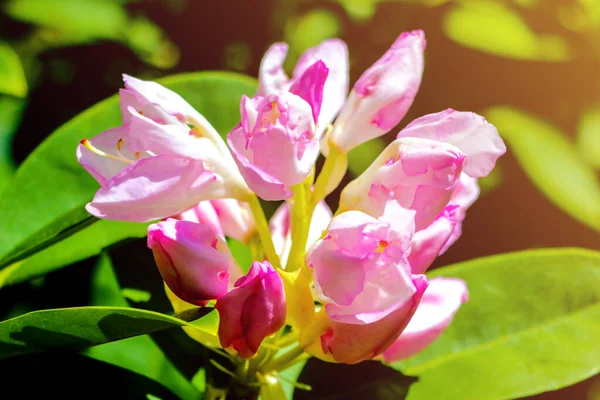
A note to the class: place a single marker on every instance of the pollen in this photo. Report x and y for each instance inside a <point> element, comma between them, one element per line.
<point>382,246</point>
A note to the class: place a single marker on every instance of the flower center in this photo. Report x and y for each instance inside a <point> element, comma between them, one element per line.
<point>119,157</point>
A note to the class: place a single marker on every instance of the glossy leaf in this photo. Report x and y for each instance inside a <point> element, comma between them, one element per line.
<point>495,28</point>
<point>551,162</point>
<point>81,327</point>
<point>138,354</point>
<point>83,244</point>
<point>531,325</point>
<point>12,77</point>
<point>50,189</point>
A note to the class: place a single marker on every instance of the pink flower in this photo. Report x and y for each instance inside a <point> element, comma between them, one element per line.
<point>383,94</point>
<point>471,133</point>
<point>333,53</point>
<point>274,145</point>
<point>253,310</point>
<point>203,213</point>
<point>440,302</point>
<point>419,174</point>
<point>194,262</point>
<point>155,165</point>
<point>360,267</point>
<point>280,225</point>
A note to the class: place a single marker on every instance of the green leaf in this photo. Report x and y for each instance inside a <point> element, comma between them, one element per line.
<point>588,136</point>
<point>85,18</point>
<point>50,189</point>
<point>531,325</point>
<point>12,77</point>
<point>551,162</point>
<point>11,111</point>
<point>84,244</point>
<point>495,28</point>
<point>81,327</point>
<point>139,354</point>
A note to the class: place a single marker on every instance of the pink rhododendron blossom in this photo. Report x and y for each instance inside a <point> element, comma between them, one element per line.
<point>194,262</point>
<point>360,268</point>
<point>439,303</point>
<point>280,225</point>
<point>253,310</point>
<point>383,94</point>
<point>419,174</point>
<point>155,165</point>
<point>274,145</point>
<point>334,55</point>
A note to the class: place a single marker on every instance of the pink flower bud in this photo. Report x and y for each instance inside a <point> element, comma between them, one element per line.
<point>361,270</point>
<point>419,174</point>
<point>471,133</point>
<point>275,146</point>
<point>383,94</point>
<point>193,261</point>
<point>235,218</point>
<point>440,302</point>
<point>203,213</point>
<point>253,310</point>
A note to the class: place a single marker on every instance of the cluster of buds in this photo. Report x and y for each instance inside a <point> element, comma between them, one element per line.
<point>345,287</point>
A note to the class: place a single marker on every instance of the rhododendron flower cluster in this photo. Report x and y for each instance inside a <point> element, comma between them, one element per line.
<point>345,286</point>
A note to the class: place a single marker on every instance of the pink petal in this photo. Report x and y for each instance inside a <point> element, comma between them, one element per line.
<point>266,186</point>
<point>310,86</point>
<point>471,133</point>
<point>441,300</point>
<point>334,53</point>
<point>104,168</point>
<point>154,188</point>
<point>235,218</point>
<point>430,242</point>
<point>271,74</point>
<point>351,344</point>
<point>203,213</point>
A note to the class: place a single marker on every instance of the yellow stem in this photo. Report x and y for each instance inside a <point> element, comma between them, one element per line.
<point>262,227</point>
<point>300,216</point>
<point>320,191</point>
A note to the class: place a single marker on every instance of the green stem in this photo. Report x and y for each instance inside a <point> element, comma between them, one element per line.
<point>300,216</point>
<point>283,361</point>
<point>262,227</point>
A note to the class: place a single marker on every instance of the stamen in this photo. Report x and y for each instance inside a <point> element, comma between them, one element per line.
<point>137,155</point>
<point>86,143</point>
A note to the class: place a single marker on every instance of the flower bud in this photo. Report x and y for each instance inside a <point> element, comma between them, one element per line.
<point>253,310</point>
<point>193,261</point>
<point>275,146</point>
<point>383,94</point>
